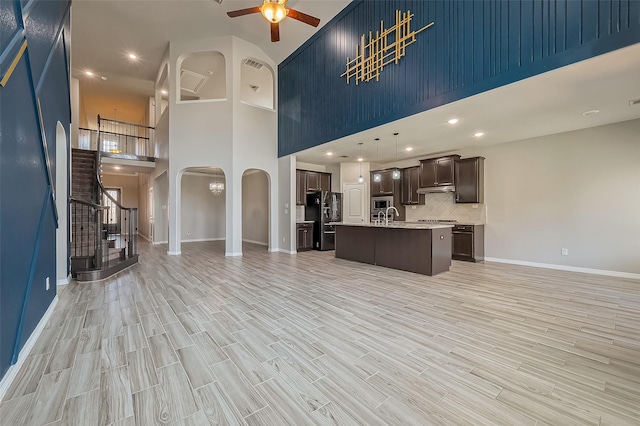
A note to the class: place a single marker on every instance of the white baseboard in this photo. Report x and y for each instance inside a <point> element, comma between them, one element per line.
<point>64,281</point>
<point>231,254</point>
<point>281,250</point>
<point>198,240</point>
<point>260,243</point>
<point>155,243</point>
<point>565,268</point>
<point>174,253</point>
<point>12,372</point>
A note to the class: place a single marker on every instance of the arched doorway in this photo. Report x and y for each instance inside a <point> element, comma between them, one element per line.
<point>255,210</point>
<point>62,185</point>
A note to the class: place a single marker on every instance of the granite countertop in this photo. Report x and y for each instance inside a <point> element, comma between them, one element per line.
<point>398,225</point>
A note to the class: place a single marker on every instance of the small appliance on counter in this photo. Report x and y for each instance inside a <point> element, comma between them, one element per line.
<point>322,208</point>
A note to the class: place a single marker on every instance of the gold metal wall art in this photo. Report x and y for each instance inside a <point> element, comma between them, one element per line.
<point>14,63</point>
<point>387,46</point>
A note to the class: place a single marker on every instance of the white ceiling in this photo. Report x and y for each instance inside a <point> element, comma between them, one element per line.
<point>105,31</point>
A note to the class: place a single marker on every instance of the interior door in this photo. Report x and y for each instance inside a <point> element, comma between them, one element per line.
<point>354,205</point>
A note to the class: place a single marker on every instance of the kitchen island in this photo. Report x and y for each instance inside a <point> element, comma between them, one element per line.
<point>415,247</point>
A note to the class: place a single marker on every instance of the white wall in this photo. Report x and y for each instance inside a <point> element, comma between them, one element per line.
<point>255,208</point>
<point>143,205</point>
<point>161,209</point>
<point>286,203</point>
<point>578,190</point>
<point>62,200</point>
<point>129,188</point>
<point>202,213</point>
<point>75,110</point>
<point>216,134</point>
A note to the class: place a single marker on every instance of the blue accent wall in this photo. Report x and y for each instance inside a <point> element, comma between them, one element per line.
<point>474,46</point>
<point>27,220</point>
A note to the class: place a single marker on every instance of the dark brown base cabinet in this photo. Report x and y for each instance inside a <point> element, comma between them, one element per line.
<point>304,232</point>
<point>423,251</point>
<point>468,243</point>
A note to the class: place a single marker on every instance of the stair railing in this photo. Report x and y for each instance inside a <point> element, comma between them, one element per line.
<point>86,235</point>
<point>119,225</point>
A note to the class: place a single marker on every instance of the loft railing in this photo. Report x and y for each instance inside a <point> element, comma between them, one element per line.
<point>118,138</point>
<point>87,139</point>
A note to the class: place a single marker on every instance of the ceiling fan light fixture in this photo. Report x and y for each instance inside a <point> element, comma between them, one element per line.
<point>273,10</point>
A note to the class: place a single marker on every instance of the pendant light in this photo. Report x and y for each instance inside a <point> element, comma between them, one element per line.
<point>377,177</point>
<point>396,172</point>
<point>360,159</point>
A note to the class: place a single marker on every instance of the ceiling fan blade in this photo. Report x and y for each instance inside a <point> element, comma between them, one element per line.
<point>242,12</point>
<point>275,32</point>
<point>303,17</point>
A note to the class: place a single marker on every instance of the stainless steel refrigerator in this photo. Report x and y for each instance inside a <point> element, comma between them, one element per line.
<point>322,208</point>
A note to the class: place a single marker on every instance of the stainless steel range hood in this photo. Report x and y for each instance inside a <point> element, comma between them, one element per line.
<point>436,189</point>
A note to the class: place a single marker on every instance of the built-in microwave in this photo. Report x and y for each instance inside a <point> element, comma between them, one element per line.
<point>380,204</point>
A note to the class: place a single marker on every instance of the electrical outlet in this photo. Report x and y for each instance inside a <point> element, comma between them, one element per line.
<point>46,283</point>
<point>565,252</point>
<point>475,206</point>
<point>413,207</point>
<point>283,239</point>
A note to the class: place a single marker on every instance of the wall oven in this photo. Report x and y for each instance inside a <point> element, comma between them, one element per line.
<point>380,204</point>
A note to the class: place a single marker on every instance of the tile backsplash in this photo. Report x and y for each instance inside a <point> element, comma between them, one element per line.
<point>443,206</point>
<point>299,213</point>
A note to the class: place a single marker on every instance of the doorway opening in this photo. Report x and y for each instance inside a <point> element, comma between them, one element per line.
<point>255,209</point>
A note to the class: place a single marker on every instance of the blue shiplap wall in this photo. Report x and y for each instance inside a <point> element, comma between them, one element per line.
<point>27,217</point>
<point>475,46</point>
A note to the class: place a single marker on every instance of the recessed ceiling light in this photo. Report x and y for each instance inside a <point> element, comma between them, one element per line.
<point>164,92</point>
<point>103,78</point>
<point>360,159</point>
<point>408,149</point>
<point>592,112</point>
<point>453,121</point>
<point>478,134</point>
<point>132,56</point>
<point>329,153</point>
<point>116,167</point>
<point>88,73</point>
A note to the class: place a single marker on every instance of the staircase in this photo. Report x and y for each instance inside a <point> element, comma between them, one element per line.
<point>83,175</point>
<point>96,250</point>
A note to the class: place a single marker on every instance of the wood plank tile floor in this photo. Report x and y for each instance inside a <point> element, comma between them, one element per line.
<point>275,339</point>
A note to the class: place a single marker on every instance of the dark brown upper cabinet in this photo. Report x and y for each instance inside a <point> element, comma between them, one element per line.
<point>410,185</point>
<point>301,187</point>
<point>325,181</point>
<point>308,181</point>
<point>313,181</point>
<point>386,186</point>
<point>437,171</point>
<point>469,178</point>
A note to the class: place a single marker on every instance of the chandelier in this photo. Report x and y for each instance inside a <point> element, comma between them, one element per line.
<point>216,188</point>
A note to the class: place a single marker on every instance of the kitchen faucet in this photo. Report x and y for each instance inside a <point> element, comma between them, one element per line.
<point>386,215</point>
<point>378,221</point>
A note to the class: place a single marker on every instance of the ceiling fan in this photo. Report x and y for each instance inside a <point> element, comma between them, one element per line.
<point>275,11</point>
